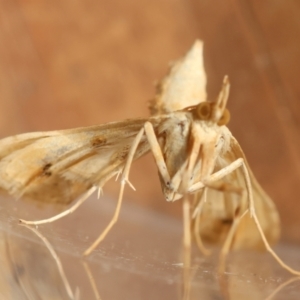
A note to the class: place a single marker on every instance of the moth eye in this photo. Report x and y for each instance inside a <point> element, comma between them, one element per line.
<point>225,118</point>
<point>204,111</point>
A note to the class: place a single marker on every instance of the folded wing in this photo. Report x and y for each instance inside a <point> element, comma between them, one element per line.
<point>58,166</point>
<point>221,208</point>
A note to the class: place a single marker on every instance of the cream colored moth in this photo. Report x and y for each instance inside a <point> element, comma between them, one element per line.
<point>194,151</point>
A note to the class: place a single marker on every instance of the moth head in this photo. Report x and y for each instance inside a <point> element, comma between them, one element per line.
<point>215,112</point>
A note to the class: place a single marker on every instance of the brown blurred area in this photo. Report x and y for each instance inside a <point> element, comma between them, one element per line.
<point>67,64</point>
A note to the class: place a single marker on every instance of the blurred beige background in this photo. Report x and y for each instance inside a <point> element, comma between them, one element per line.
<point>74,63</point>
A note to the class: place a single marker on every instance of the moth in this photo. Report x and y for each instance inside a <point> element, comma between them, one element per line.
<point>194,151</point>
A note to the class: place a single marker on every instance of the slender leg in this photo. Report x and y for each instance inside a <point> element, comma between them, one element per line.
<point>124,180</point>
<point>193,155</point>
<point>270,250</point>
<point>217,175</point>
<point>199,197</point>
<point>197,215</point>
<point>227,170</point>
<point>254,216</point>
<point>156,151</point>
<point>83,198</point>
<point>186,248</point>
<point>173,183</point>
<point>224,172</point>
<point>198,210</point>
<point>229,239</point>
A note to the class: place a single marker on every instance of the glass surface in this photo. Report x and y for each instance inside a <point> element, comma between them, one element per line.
<point>139,259</point>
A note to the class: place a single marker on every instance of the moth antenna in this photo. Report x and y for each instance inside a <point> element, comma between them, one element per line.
<point>221,102</point>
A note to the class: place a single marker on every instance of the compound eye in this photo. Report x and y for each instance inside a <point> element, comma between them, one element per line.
<point>204,111</point>
<point>225,118</point>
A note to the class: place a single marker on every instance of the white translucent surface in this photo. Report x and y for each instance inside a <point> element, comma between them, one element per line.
<point>140,259</point>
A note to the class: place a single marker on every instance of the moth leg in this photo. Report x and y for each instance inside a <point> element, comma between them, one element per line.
<point>238,216</point>
<point>254,216</point>
<point>271,251</point>
<point>227,170</point>
<point>217,175</point>
<point>173,183</point>
<point>229,239</point>
<point>197,216</point>
<point>193,156</point>
<point>70,210</point>
<point>210,180</point>
<point>198,209</point>
<point>124,180</point>
<point>157,153</point>
<point>187,241</point>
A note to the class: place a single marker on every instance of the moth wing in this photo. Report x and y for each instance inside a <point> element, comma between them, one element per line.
<point>58,166</point>
<point>219,211</point>
<point>184,86</point>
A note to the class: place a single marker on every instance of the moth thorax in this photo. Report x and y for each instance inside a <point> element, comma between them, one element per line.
<point>210,111</point>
